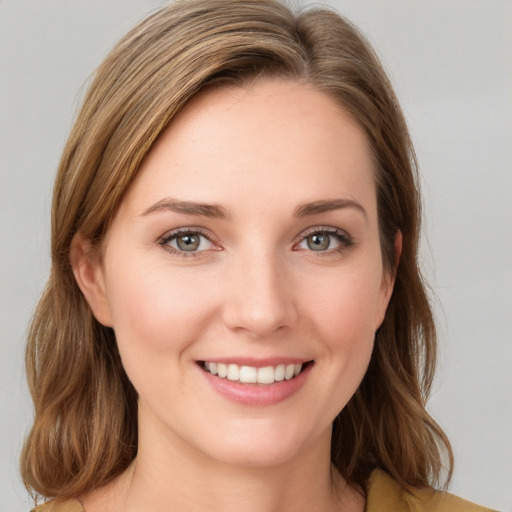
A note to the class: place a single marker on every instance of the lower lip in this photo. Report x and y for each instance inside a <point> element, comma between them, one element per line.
<point>257,395</point>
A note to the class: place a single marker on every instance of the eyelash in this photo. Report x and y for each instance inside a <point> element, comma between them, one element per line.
<point>345,240</point>
<point>168,237</point>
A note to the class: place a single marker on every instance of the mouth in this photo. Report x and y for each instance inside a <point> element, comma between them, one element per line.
<point>243,374</point>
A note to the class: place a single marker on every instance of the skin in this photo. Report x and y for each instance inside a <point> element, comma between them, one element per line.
<point>257,288</point>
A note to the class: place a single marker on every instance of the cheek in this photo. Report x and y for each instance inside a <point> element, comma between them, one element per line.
<point>341,313</point>
<point>156,311</point>
<point>347,305</point>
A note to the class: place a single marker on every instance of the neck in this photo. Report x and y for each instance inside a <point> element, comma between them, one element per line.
<point>172,476</point>
<point>176,479</point>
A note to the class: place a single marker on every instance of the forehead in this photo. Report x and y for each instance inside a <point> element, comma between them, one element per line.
<point>270,141</point>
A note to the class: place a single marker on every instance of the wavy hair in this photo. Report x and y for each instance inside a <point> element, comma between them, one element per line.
<point>85,426</point>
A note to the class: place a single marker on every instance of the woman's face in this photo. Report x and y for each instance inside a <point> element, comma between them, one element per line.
<point>247,244</point>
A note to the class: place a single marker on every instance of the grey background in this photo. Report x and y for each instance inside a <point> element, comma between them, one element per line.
<point>451,64</point>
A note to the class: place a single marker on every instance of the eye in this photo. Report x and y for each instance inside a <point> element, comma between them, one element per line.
<point>326,240</point>
<point>186,242</point>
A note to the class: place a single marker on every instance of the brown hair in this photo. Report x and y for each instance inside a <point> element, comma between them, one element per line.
<point>85,426</point>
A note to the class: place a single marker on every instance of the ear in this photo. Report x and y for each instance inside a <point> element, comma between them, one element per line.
<point>388,281</point>
<point>89,275</point>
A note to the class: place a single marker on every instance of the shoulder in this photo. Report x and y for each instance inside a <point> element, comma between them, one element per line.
<point>385,495</point>
<point>60,506</point>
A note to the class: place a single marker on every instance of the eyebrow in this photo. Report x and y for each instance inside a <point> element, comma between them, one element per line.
<point>190,208</point>
<point>327,206</point>
<point>218,211</point>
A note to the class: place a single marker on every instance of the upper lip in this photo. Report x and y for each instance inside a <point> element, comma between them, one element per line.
<point>257,362</point>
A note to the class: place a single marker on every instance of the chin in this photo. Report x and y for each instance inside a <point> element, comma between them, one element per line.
<point>261,447</point>
<point>256,456</point>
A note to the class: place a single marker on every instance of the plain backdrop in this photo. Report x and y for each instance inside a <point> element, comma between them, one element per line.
<point>451,63</point>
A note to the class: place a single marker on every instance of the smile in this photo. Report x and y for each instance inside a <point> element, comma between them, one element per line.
<point>256,383</point>
<point>252,374</point>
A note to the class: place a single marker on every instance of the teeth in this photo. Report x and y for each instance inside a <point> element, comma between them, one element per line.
<point>233,372</point>
<point>266,375</point>
<point>248,374</point>
<point>279,372</point>
<point>222,370</point>
<point>253,375</point>
<point>289,372</point>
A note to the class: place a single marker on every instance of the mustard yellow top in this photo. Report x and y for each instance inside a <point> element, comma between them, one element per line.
<point>383,495</point>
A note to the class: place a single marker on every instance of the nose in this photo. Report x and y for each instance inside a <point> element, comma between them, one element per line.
<point>259,299</point>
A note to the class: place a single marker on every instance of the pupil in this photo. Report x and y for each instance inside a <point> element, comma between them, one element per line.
<point>319,242</point>
<point>188,242</point>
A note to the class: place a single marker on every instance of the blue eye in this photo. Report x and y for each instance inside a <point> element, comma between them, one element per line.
<point>186,242</point>
<point>319,241</point>
<point>326,240</point>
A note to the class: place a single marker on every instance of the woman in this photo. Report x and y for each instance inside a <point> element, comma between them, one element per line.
<point>235,318</point>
